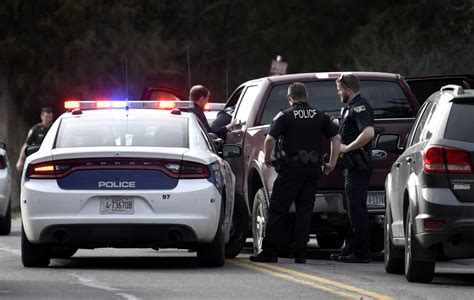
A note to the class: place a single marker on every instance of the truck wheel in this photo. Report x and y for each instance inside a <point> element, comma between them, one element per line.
<point>376,239</point>
<point>213,254</point>
<point>6,222</point>
<point>259,219</point>
<point>393,256</point>
<point>238,230</point>
<point>33,255</point>
<point>415,271</point>
<point>62,252</point>
<point>329,240</point>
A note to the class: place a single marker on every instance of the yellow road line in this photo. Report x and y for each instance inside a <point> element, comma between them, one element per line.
<point>322,280</point>
<point>300,281</point>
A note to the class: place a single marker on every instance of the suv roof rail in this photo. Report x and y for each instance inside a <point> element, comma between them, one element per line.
<point>458,90</point>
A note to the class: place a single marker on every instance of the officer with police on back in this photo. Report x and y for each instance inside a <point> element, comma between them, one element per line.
<point>357,132</point>
<point>297,133</point>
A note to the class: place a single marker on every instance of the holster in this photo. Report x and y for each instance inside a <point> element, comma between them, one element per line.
<point>345,161</point>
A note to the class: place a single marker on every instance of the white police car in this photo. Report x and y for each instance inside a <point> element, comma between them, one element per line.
<point>5,184</point>
<point>126,175</point>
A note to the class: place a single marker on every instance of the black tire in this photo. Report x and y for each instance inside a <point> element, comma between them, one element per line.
<point>329,240</point>
<point>33,255</point>
<point>62,252</point>
<point>376,239</point>
<point>6,222</point>
<point>259,219</point>
<point>415,271</point>
<point>213,254</point>
<point>238,230</point>
<point>393,256</point>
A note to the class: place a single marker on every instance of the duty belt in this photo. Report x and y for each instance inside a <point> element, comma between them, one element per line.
<point>304,157</point>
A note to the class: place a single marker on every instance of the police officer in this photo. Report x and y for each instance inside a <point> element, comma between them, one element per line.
<point>299,130</point>
<point>200,96</point>
<point>357,132</point>
<point>36,134</point>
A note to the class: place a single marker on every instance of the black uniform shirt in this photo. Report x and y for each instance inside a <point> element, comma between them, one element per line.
<point>36,134</point>
<point>302,128</point>
<point>356,116</point>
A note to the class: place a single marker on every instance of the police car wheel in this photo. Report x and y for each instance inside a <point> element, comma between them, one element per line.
<point>33,255</point>
<point>259,219</point>
<point>6,222</point>
<point>213,254</point>
<point>393,256</point>
<point>238,231</point>
<point>62,252</point>
<point>415,271</point>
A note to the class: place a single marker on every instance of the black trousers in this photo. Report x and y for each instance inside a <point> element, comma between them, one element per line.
<point>356,184</point>
<point>296,183</point>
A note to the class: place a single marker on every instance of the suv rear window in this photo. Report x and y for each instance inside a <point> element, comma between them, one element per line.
<point>386,98</point>
<point>459,126</point>
<point>94,131</point>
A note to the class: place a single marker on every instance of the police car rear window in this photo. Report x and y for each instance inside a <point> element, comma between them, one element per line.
<point>386,98</point>
<point>459,126</point>
<point>94,131</point>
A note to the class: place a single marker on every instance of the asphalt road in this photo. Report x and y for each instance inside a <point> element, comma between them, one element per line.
<point>164,274</point>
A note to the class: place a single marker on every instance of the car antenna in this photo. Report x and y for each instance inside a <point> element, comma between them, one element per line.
<point>126,83</point>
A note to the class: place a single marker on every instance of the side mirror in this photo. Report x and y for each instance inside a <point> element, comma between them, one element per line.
<point>2,145</point>
<point>218,142</point>
<point>388,142</point>
<point>31,149</point>
<point>229,151</point>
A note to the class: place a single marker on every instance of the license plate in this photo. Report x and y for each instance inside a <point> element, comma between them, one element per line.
<point>116,206</point>
<point>376,199</point>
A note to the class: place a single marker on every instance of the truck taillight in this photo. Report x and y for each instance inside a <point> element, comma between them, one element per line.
<point>3,165</point>
<point>439,159</point>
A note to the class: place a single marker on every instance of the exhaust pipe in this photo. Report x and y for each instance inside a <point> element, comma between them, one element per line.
<point>60,235</point>
<point>175,235</point>
<point>456,240</point>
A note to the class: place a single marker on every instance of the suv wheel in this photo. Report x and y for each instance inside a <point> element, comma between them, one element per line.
<point>415,271</point>
<point>33,255</point>
<point>6,222</point>
<point>238,230</point>
<point>393,256</point>
<point>259,219</point>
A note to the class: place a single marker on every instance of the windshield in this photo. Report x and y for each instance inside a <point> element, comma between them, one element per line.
<point>94,131</point>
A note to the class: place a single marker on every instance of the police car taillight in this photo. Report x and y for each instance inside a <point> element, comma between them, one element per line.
<point>41,171</point>
<point>188,170</point>
<point>134,104</point>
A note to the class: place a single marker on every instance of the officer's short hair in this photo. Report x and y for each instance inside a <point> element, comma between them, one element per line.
<point>350,81</point>
<point>47,110</point>
<point>298,91</point>
<point>197,92</point>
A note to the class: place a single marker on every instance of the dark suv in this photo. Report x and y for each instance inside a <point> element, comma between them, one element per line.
<point>430,188</point>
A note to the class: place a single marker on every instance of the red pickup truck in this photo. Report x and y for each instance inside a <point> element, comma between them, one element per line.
<point>257,101</point>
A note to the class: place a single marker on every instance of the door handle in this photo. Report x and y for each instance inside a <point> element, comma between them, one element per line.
<point>409,160</point>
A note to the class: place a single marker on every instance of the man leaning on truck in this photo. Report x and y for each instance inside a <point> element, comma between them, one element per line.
<point>297,159</point>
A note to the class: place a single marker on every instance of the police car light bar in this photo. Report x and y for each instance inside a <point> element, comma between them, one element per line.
<point>214,106</point>
<point>135,104</point>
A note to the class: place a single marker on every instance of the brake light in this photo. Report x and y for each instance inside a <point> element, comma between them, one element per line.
<point>439,159</point>
<point>190,170</point>
<point>433,224</point>
<point>41,171</point>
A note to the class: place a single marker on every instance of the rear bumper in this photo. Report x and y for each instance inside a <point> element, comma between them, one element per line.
<point>455,239</point>
<point>193,207</point>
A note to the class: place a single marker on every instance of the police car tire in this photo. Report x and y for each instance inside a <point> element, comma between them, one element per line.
<point>33,255</point>
<point>393,256</point>
<point>6,222</point>
<point>61,252</point>
<point>213,254</point>
<point>238,234</point>
<point>415,271</point>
